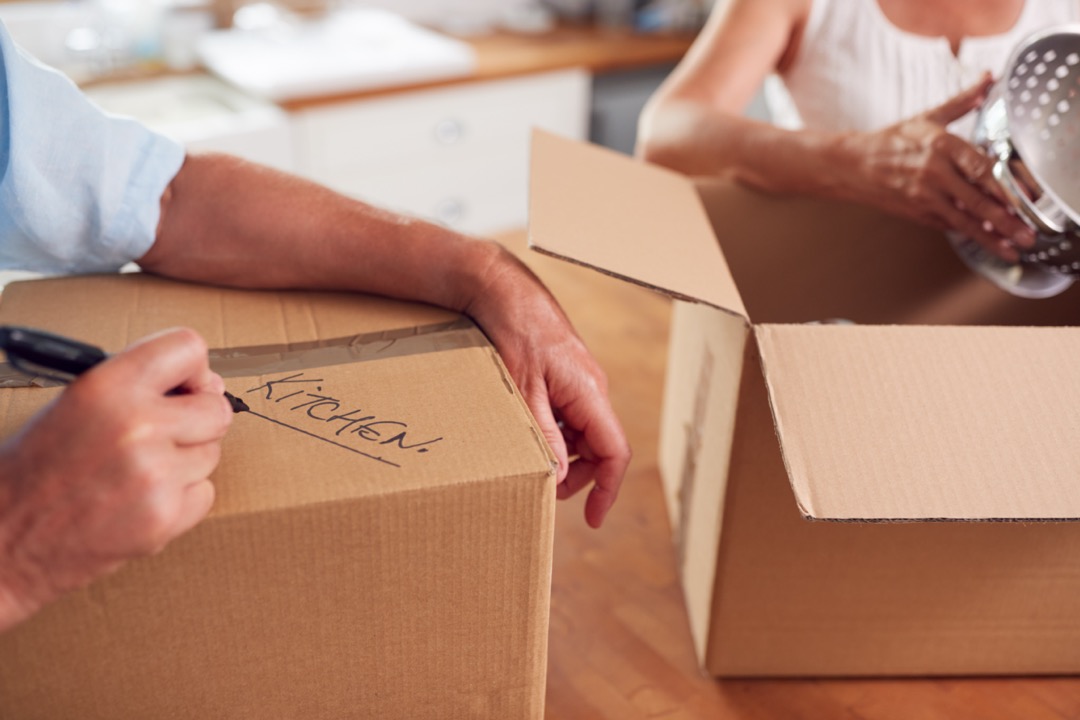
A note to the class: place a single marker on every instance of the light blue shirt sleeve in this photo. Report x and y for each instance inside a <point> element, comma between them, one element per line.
<point>80,190</point>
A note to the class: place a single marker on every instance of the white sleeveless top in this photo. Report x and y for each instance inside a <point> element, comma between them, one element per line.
<point>855,70</point>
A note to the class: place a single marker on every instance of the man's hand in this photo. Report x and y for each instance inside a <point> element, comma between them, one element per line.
<point>112,470</point>
<point>229,222</point>
<point>918,170</point>
<point>561,382</point>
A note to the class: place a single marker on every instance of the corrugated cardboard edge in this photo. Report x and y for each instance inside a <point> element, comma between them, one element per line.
<point>612,194</point>
<point>549,527</point>
<point>511,386</point>
<point>800,477</point>
<point>696,442</point>
<point>806,507</point>
<point>674,295</point>
<point>751,375</point>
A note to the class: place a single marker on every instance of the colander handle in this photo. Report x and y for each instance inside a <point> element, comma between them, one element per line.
<point>1019,199</point>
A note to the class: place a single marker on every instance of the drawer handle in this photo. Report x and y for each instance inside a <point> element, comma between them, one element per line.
<point>449,131</point>
<point>450,211</point>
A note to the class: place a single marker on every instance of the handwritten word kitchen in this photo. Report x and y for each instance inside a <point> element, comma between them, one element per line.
<point>304,399</point>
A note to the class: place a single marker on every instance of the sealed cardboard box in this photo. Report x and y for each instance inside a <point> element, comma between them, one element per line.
<point>893,497</point>
<point>381,541</point>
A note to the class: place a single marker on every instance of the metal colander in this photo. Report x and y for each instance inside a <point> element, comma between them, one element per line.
<point>1030,124</point>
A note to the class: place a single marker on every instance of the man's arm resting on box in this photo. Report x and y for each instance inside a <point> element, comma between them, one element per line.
<point>229,222</point>
<point>112,470</point>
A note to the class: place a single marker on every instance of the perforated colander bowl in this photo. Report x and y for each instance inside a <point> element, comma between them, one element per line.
<point>1030,125</point>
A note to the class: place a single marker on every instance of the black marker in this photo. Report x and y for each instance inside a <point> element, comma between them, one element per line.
<point>39,353</point>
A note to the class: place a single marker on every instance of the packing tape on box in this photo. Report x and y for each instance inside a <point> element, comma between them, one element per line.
<point>257,360</point>
<point>456,334</point>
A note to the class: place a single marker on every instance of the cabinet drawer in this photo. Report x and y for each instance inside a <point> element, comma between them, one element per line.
<point>484,195</point>
<point>432,125</point>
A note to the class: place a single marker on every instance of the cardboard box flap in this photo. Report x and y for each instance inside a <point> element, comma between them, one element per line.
<point>366,396</point>
<point>641,223</point>
<point>927,423</point>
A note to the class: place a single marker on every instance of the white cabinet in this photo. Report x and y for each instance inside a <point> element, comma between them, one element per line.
<point>457,155</point>
<point>204,114</point>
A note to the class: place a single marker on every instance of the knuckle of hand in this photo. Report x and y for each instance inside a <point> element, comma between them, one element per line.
<point>225,416</point>
<point>1000,219</point>
<point>157,527</point>
<point>190,339</point>
<point>937,174</point>
<point>153,543</point>
<point>133,433</point>
<point>918,192</point>
<point>190,345</point>
<point>982,168</point>
<point>982,207</point>
<point>143,476</point>
<point>601,379</point>
<point>976,230</point>
<point>213,418</point>
<point>213,455</point>
<point>936,222</point>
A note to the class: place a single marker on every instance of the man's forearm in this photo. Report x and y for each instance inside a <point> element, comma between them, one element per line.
<point>230,222</point>
<point>233,223</point>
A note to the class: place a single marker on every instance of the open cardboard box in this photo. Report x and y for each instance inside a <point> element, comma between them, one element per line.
<point>381,542</point>
<point>896,497</point>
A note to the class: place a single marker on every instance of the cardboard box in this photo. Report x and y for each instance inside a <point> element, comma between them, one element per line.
<point>380,546</point>
<point>888,498</point>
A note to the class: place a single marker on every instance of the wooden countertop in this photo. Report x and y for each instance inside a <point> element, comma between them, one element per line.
<point>501,54</point>
<point>504,54</point>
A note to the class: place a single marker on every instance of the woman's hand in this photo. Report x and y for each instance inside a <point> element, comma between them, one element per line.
<point>918,170</point>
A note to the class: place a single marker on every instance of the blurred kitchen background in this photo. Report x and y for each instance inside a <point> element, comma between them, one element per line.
<point>424,106</point>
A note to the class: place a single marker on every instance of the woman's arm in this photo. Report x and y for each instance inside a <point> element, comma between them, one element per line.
<point>913,169</point>
<point>694,122</point>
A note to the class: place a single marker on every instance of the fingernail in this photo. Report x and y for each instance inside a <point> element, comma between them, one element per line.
<point>1007,252</point>
<point>1025,238</point>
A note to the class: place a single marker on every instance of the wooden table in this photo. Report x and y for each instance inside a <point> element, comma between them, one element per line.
<point>620,643</point>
